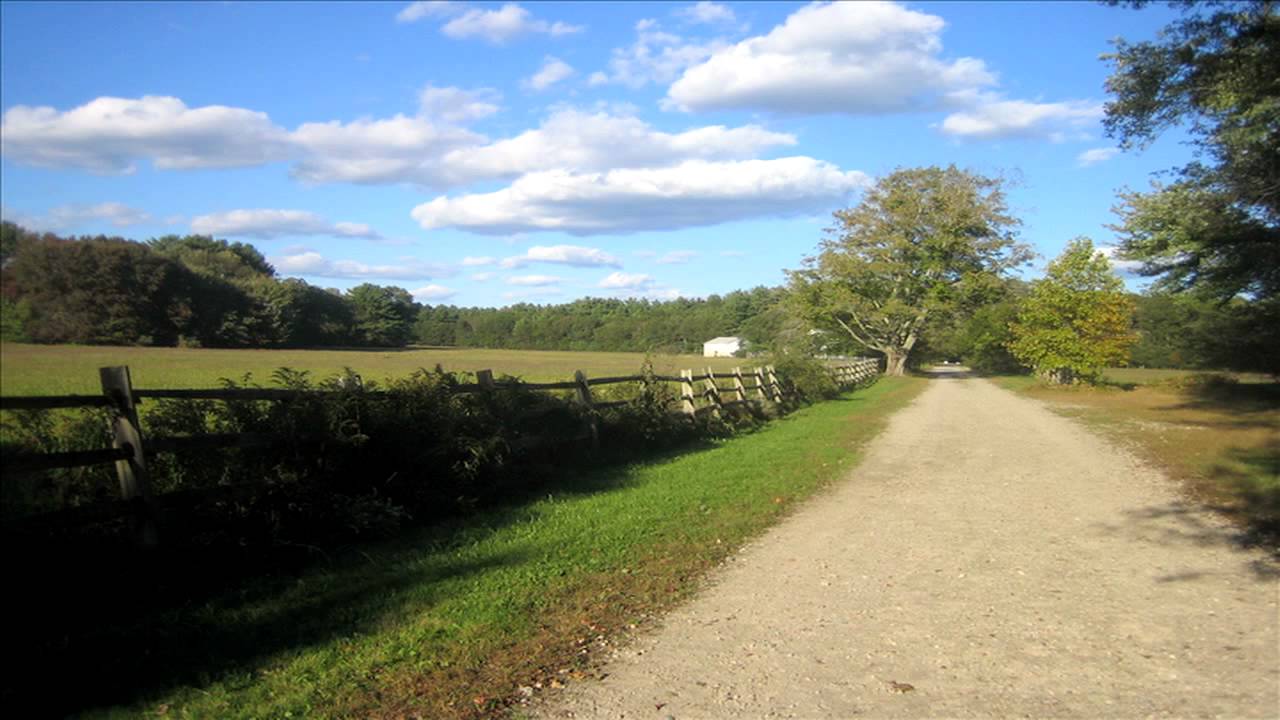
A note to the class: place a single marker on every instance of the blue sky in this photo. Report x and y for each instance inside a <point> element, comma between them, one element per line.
<point>485,154</point>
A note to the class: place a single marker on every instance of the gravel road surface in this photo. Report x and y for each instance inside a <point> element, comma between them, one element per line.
<point>988,558</point>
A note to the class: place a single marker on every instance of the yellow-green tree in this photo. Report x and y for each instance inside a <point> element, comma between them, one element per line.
<point>1077,320</point>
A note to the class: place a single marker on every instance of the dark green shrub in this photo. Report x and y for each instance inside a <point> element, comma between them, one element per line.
<point>806,377</point>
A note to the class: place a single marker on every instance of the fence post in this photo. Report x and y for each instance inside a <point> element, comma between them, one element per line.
<point>713,393</point>
<point>686,393</point>
<point>738,388</point>
<point>126,433</point>
<point>759,373</point>
<point>582,393</point>
<point>774,386</point>
<point>484,378</point>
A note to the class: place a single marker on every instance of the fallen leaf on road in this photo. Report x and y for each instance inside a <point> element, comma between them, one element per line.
<point>896,686</point>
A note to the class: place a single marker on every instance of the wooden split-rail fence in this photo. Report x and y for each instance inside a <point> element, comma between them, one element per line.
<point>702,391</point>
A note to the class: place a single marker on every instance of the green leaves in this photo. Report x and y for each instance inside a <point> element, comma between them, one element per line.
<point>1076,320</point>
<point>1217,71</point>
<point>1192,237</point>
<point>922,241</point>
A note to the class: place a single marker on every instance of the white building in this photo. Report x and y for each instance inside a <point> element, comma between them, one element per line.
<point>723,346</point>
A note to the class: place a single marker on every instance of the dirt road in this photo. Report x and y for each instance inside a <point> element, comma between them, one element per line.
<point>987,559</point>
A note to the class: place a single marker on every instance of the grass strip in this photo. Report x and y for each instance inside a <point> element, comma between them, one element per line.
<point>453,622</point>
<point>1221,440</point>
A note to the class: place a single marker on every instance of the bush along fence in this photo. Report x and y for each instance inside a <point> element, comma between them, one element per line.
<point>305,460</point>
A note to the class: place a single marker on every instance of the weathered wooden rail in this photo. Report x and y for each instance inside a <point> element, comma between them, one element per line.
<point>700,392</point>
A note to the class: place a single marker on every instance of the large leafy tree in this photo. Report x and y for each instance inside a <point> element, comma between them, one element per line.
<point>1077,319</point>
<point>215,258</point>
<point>100,290</point>
<point>383,315</point>
<point>922,242</point>
<point>1215,71</point>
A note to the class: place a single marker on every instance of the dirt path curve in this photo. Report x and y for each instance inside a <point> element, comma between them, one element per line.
<point>998,559</point>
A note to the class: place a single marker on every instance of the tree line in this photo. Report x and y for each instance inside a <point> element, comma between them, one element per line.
<point>198,291</point>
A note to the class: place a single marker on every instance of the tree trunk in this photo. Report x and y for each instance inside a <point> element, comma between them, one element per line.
<point>1060,376</point>
<point>895,363</point>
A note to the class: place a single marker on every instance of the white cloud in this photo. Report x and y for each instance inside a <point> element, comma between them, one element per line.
<point>396,149</point>
<point>68,217</point>
<point>572,139</point>
<point>636,285</point>
<point>1094,156</point>
<point>677,257</point>
<point>505,23</point>
<point>656,56</point>
<point>483,277</point>
<point>477,261</point>
<point>708,13</point>
<point>269,223</point>
<point>432,292</point>
<point>416,11</point>
<point>118,214</point>
<point>109,135</point>
<point>626,281</point>
<point>1125,266</point>
<point>533,280</point>
<point>573,255</point>
<point>844,57</point>
<point>691,194</point>
<point>993,118</point>
<point>663,294</point>
<point>553,71</point>
<point>533,292</point>
<point>309,262</point>
<point>455,105</point>
<point>428,149</point>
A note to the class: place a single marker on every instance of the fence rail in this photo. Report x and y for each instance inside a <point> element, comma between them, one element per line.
<point>129,451</point>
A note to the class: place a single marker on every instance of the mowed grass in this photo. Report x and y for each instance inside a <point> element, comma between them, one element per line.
<point>1222,440</point>
<point>73,369</point>
<point>452,622</point>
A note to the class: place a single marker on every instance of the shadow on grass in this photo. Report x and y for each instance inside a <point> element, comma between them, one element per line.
<point>1232,397</point>
<point>120,662</point>
<point>108,626</point>
<point>1253,476</point>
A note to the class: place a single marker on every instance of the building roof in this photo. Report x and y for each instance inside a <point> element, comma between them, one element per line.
<point>723,340</point>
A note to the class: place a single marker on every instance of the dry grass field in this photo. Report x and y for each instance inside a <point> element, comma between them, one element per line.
<point>73,369</point>
<point>1221,438</point>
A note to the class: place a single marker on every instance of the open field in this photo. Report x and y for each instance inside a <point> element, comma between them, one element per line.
<point>73,369</point>
<point>1149,376</point>
<point>1222,439</point>
<point>451,621</point>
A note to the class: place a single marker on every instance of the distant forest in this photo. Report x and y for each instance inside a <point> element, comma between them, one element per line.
<point>196,291</point>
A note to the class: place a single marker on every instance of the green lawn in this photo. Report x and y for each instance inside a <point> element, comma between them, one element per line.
<point>73,369</point>
<point>450,622</point>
